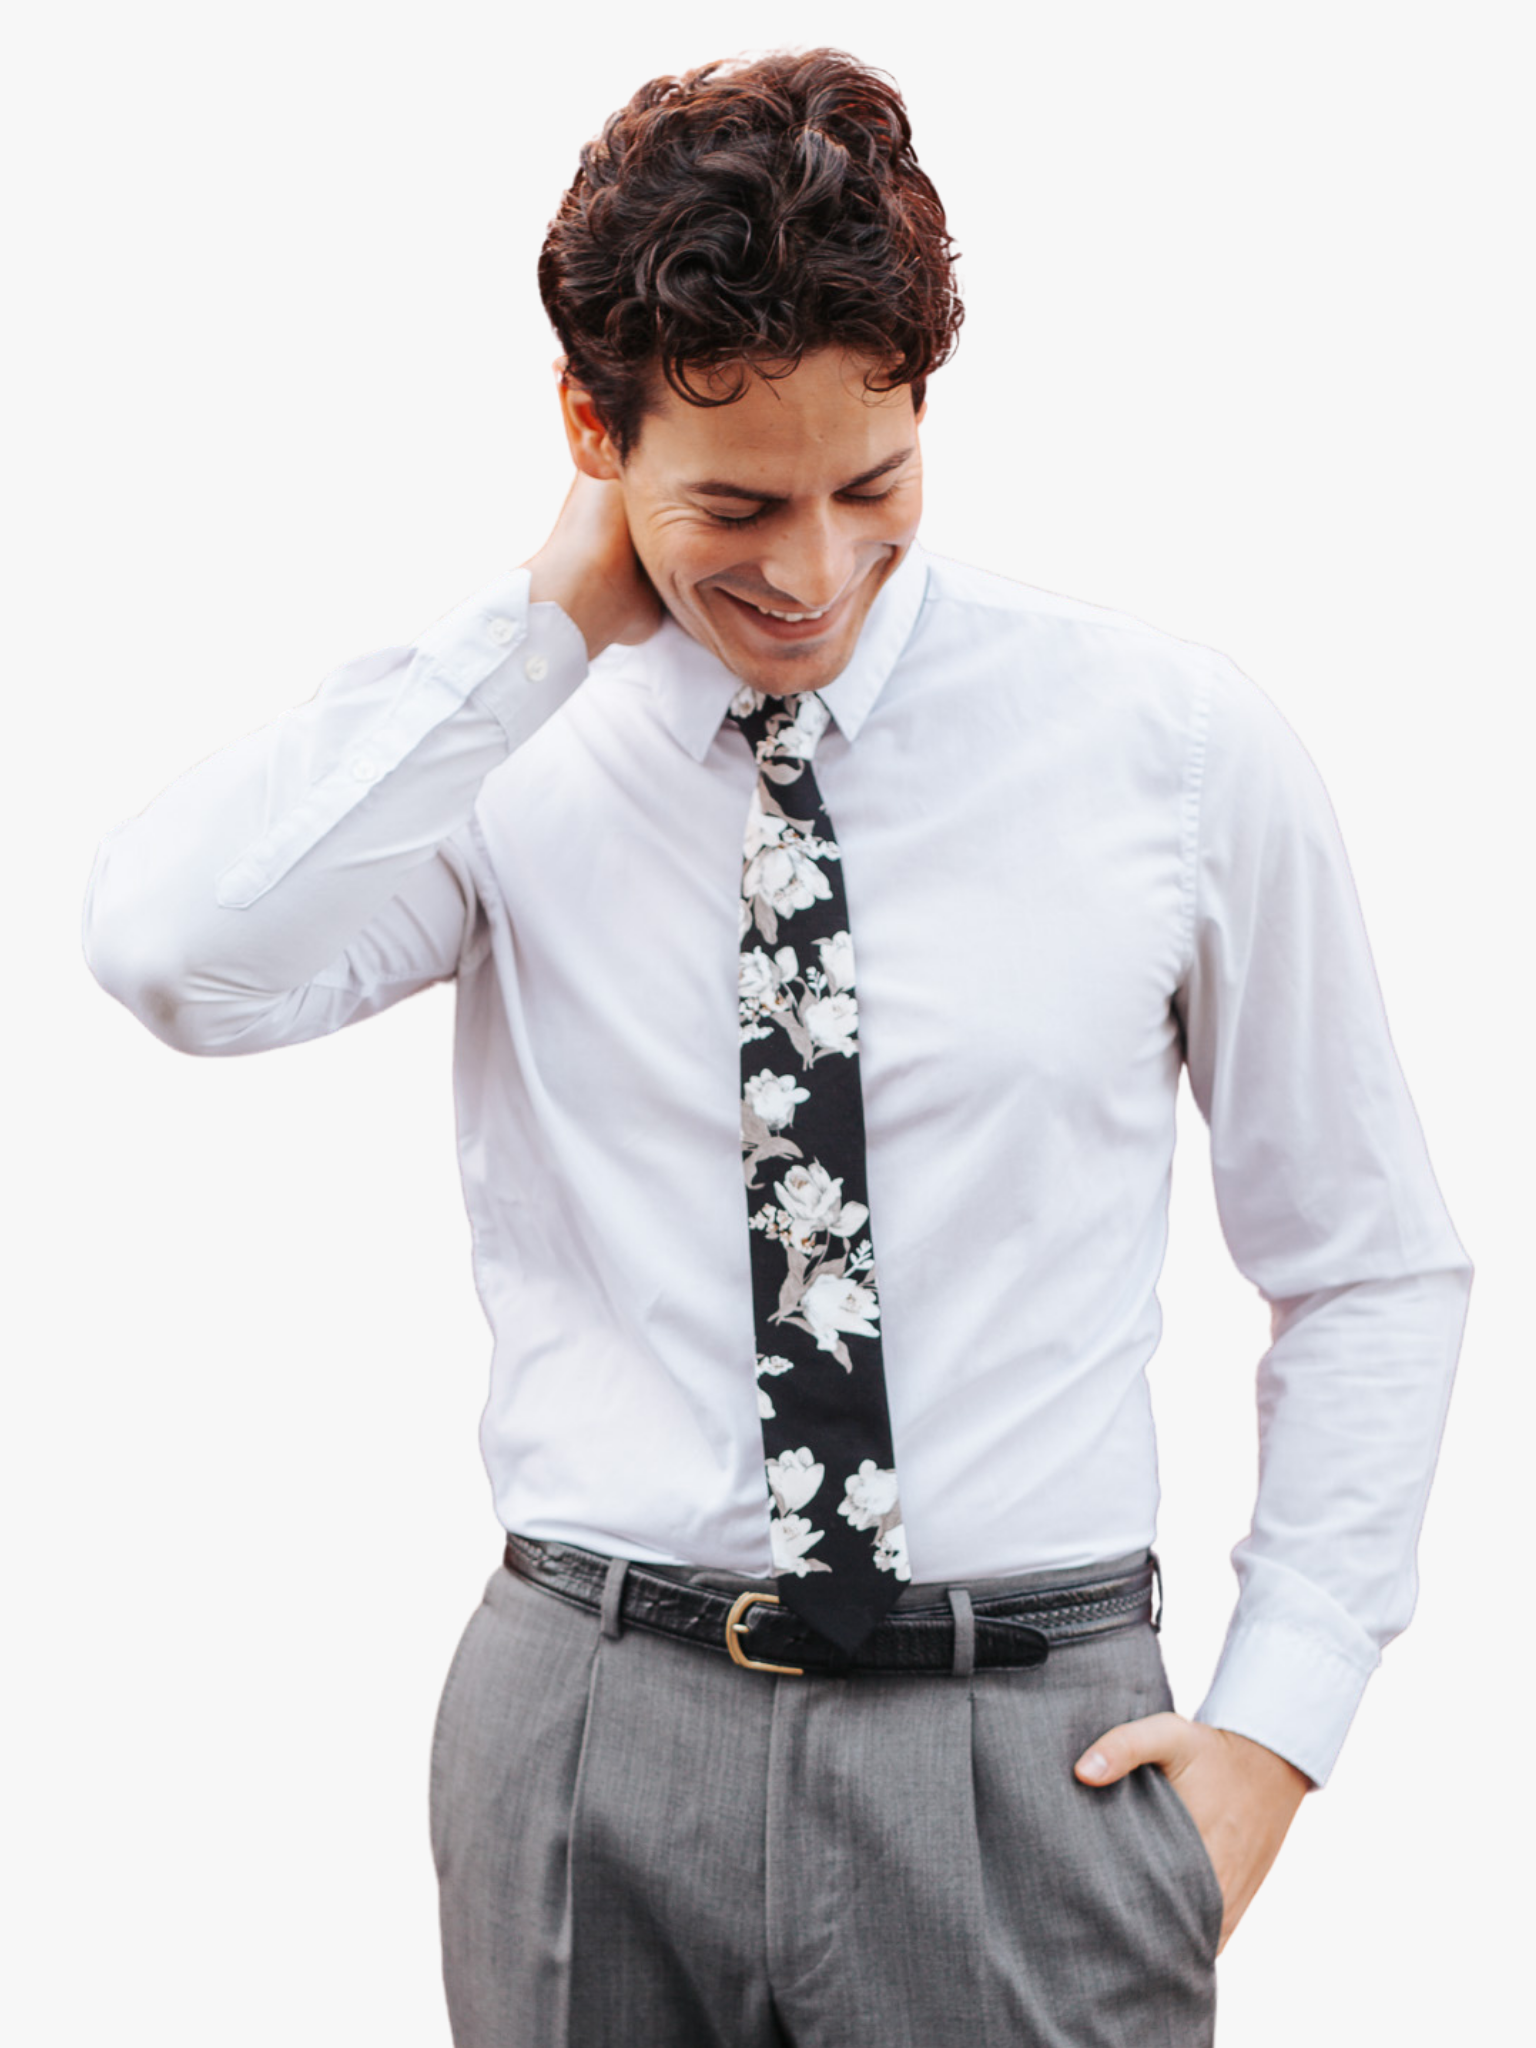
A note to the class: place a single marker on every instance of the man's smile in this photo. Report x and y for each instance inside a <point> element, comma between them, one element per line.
<point>786,624</point>
<point>793,617</point>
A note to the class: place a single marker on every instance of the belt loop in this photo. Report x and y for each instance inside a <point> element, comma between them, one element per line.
<point>1157,1574</point>
<point>965,1631</point>
<point>613,1597</point>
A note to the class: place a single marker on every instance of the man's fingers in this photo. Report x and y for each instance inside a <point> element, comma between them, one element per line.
<point>1164,1739</point>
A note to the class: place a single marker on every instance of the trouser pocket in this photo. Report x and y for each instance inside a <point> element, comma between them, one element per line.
<point>1192,1860</point>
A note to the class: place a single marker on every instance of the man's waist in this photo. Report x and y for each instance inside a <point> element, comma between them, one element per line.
<point>1005,1622</point>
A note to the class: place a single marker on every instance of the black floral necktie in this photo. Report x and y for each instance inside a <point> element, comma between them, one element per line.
<point>839,1548</point>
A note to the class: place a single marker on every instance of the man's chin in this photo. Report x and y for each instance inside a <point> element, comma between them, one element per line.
<point>788,678</point>
<point>788,671</point>
<point>781,672</point>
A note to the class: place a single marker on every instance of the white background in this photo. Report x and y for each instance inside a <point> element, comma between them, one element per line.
<point>1248,354</point>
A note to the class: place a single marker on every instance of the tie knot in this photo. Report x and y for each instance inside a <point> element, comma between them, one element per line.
<point>779,728</point>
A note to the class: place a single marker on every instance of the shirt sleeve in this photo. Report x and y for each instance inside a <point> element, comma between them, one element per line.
<point>306,876</point>
<point>1329,1206</point>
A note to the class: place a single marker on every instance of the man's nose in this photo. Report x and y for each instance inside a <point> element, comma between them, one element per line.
<point>809,560</point>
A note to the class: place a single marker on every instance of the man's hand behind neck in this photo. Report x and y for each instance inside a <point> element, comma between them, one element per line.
<point>589,568</point>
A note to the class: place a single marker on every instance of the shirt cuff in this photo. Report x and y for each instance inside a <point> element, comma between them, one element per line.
<point>1280,1685</point>
<point>519,660</point>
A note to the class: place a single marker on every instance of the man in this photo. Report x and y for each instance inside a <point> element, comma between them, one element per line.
<point>818,1698</point>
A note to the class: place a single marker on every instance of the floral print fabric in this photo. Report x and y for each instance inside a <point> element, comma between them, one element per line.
<point>820,1371</point>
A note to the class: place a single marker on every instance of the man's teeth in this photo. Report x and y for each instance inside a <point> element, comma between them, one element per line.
<point>791,618</point>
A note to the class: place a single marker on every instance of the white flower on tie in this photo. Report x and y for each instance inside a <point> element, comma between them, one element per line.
<point>791,1537</point>
<point>833,1022</point>
<point>772,1366</point>
<point>869,1502</point>
<point>795,739</point>
<point>764,828</point>
<point>773,1097</point>
<point>891,1553</point>
<point>868,1494</point>
<point>834,1307</point>
<point>761,978</point>
<point>761,985</point>
<point>837,961</point>
<point>746,701</point>
<point>793,1478</point>
<point>811,1194</point>
<point>812,1197</point>
<point>786,878</point>
<point>758,981</point>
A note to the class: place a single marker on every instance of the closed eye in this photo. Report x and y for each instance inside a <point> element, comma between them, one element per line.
<point>751,518</point>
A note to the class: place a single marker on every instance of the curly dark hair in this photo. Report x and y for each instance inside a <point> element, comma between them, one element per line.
<point>747,213</point>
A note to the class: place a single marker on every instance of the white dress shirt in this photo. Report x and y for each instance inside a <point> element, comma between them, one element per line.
<point>1077,853</point>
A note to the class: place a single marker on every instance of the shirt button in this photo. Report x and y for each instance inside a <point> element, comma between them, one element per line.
<point>364,767</point>
<point>535,668</point>
<point>501,631</point>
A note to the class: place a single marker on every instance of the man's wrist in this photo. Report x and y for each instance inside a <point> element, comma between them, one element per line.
<point>554,583</point>
<point>1279,1767</point>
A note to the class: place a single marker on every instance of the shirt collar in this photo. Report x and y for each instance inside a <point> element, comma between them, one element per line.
<point>692,688</point>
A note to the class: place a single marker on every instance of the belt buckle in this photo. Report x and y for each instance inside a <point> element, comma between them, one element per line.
<point>736,1626</point>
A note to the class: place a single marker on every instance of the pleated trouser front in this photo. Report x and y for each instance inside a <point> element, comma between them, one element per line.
<point>640,1845</point>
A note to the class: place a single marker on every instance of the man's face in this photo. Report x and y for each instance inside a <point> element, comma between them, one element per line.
<point>768,526</point>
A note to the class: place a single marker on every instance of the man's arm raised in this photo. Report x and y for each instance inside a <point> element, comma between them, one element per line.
<point>306,876</point>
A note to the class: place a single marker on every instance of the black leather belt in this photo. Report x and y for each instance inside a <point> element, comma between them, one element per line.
<point>1005,1631</point>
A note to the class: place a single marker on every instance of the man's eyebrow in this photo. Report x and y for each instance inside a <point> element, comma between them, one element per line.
<point>713,489</point>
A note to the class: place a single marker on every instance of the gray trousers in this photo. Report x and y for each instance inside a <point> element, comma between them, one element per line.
<point>640,1845</point>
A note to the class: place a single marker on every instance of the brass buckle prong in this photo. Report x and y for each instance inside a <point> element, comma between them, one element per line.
<point>735,1627</point>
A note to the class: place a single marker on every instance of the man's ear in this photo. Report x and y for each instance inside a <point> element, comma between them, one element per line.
<point>591,446</point>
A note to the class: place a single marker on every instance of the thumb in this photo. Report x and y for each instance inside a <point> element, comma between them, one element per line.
<point>1164,1739</point>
